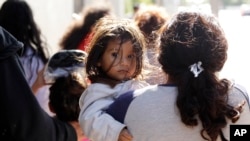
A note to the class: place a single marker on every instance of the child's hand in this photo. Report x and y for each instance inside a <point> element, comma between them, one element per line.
<point>125,135</point>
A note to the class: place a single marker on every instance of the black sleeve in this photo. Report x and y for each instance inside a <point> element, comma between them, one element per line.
<point>22,118</point>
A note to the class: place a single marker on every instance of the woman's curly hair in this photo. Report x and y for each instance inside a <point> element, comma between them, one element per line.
<point>188,38</point>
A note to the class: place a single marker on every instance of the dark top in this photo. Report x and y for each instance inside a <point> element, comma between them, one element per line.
<point>22,118</point>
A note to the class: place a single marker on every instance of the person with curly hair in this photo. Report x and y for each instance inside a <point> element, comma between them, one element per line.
<point>195,104</point>
<point>79,33</point>
<point>150,19</point>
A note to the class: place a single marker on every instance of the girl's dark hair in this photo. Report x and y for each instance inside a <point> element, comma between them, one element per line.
<point>64,97</point>
<point>108,29</point>
<point>16,17</point>
<point>191,37</point>
<point>78,31</point>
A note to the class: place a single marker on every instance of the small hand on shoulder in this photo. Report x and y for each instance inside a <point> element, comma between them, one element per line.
<point>125,135</point>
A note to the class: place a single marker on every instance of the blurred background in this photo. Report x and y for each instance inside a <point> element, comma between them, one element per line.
<point>54,16</point>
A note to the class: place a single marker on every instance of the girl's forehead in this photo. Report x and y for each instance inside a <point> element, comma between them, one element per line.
<point>116,44</point>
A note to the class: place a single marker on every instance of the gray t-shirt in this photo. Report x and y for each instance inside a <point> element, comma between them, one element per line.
<point>151,114</point>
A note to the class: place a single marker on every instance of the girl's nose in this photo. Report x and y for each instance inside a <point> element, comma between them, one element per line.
<point>125,61</point>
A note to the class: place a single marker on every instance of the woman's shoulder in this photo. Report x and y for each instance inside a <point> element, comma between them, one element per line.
<point>237,95</point>
<point>238,87</point>
<point>30,58</point>
<point>29,51</point>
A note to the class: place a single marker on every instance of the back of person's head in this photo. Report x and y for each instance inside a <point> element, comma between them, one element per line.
<point>83,26</point>
<point>193,49</point>
<point>190,37</point>
<point>64,97</point>
<point>66,72</point>
<point>136,7</point>
<point>16,17</point>
<point>93,13</point>
<point>108,29</point>
<point>150,19</point>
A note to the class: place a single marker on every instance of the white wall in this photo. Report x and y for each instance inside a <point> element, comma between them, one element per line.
<point>117,5</point>
<point>53,17</point>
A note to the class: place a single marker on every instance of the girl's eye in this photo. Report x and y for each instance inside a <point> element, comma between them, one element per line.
<point>131,56</point>
<point>114,54</point>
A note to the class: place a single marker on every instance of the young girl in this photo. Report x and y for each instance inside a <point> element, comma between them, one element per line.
<point>113,66</point>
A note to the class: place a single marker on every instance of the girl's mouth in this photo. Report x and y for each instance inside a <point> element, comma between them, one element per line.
<point>123,71</point>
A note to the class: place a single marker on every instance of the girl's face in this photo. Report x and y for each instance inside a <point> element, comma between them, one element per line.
<point>118,60</point>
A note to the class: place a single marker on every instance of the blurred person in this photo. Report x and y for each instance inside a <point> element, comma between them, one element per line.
<point>113,66</point>
<point>80,31</point>
<point>150,19</point>
<point>22,118</point>
<point>194,104</point>
<point>65,72</point>
<point>136,7</point>
<point>64,101</point>
<point>17,18</point>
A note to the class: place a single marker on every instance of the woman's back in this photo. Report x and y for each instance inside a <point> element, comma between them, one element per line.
<point>163,119</point>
